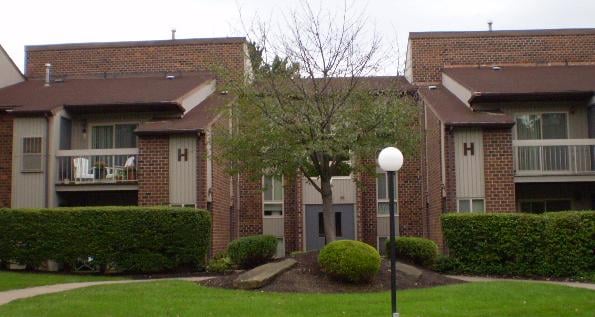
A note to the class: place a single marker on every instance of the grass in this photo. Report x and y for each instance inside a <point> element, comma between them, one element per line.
<point>177,298</point>
<point>14,280</point>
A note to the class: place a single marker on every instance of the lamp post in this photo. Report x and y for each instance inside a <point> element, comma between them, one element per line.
<point>390,160</point>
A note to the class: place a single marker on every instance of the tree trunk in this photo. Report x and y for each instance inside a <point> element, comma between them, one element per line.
<point>327,209</point>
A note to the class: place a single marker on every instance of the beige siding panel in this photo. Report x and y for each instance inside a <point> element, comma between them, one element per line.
<point>28,189</point>
<point>182,173</point>
<point>9,74</point>
<point>469,168</point>
<point>578,124</point>
<point>273,226</point>
<point>344,192</point>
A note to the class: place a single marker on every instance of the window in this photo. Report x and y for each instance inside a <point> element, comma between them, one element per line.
<point>471,205</point>
<point>273,196</point>
<point>338,224</point>
<point>382,194</point>
<point>31,154</point>
<point>543,126</point>
<point>540,206</point>
<point>113,136</point>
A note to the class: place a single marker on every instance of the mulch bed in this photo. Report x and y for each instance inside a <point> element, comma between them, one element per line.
<point>306,277</point>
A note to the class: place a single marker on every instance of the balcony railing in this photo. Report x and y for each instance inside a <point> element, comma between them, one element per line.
<point>96,166</point>
<point>554,157</point>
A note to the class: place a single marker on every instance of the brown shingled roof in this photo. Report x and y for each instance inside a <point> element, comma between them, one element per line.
<point>152,92</point>
<point>486,83</point>
<point>213,40</point>
<point>196,120</point>
<point>454,112</point>
<point>538,32</point>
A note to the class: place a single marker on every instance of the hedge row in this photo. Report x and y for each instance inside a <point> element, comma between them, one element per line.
<point>550,244</point>
<point>128,239</point>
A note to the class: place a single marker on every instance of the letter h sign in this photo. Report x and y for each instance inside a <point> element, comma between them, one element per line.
<point>468,148</point>
<point>183,155</point>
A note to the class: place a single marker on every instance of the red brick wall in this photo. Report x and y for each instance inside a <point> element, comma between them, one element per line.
<point>499,170</point>
<point>366,208</point>
<point>293,215</point>
<point>160,56</point>
<point>153,170</point>
<point>250,206</point>
<point>430,54</point>
<point>5,159</point>
<point>451,176</point>
<point>221,199</point>
<point>201,172</point>
<point>411,196</point>
<point>433,177</point>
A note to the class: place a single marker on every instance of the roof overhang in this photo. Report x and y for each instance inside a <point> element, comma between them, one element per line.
<point>532,96</point>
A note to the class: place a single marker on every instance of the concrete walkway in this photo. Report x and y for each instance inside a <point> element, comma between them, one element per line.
<point>491,279</point>
<point>11,295</point>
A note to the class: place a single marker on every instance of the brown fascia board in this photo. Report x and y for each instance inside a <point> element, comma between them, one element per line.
<point>507,33</point>
<point>198,131</point>
<point>533,96</point>
<point>91,45</point>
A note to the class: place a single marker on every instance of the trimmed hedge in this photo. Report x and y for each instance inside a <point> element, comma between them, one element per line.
<point>128,239</point>
<point>248,252</point>
<point>551,244</point>
<point>349,260</point>
<point>419,251</point>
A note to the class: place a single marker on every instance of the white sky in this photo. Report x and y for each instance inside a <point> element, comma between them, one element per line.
<point>25,22</point>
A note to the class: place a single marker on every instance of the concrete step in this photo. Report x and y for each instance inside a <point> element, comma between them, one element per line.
<point>262,275</point>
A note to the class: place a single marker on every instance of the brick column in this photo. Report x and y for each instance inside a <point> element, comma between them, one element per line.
<point>6,124</point>
<point>411,198</point>
<point>499,170</point>
<point>366,208</point>
<point>153,170</point>
<point>293,224</point>
<point>250,208</point>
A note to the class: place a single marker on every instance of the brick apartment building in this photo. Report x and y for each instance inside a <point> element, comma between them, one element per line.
<point>507,118</point>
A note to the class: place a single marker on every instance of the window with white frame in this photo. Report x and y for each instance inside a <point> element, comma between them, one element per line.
<point>471,205</point>
<point>113,136</point>
<point>32,160</point>
<point>273,196</point>
<point>542,126</point>
<point>382,194</point>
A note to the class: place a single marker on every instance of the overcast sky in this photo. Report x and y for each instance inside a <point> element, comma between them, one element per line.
<point>25,22</point>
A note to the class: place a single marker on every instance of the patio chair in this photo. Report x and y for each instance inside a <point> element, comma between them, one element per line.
<point>82,172</point>
<point>112,172</point>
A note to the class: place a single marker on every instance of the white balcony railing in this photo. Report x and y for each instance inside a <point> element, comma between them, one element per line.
<point>554,157</point>
<point>103,166</point>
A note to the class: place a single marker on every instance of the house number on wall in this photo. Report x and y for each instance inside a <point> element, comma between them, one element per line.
<point>182,155</point>
<point>468,148</point>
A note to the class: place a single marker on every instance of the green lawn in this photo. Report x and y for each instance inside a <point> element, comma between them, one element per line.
<point>14,280</point>
<point>177,298</point>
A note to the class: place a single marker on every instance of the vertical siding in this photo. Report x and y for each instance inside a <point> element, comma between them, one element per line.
<point>182,174</point>
<point>28,189</point>
<point>273,226</point>
<point>469,168</point>
<point>344,192</point>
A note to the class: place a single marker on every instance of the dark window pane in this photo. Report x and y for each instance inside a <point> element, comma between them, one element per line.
<point>65,133</point>
<point>528,127</point>
<point>125,137</point>
<point>554,126</point>
<point>103,137</point>
<point>338,226</point>
<point>320,225</point>
<point>557,205</point>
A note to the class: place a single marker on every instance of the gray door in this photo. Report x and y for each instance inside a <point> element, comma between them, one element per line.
<point>344,224</point>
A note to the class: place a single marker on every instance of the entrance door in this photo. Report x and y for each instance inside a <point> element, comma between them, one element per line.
<point>344,225</point>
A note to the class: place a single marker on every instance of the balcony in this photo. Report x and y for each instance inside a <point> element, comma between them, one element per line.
<point>97,166</point>
<point>558,160</point>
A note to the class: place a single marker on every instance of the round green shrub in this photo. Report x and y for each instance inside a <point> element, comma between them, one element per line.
<point>219,265</point>
<point>252,251</point>
<point>447,265</point>
<point>350,261</point>
<point>419,251</point>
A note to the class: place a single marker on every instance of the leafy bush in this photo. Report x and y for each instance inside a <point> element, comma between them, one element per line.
<point>252,251</point>
<point>128,239</point>
<point>414,250</point>
<point>220,265</point>
<point>550,244</point>
<point>349,260</point>
<point>446,264</point>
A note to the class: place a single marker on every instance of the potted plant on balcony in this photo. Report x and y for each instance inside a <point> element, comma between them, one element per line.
<point>99,169</point>
<point>130,173</point>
